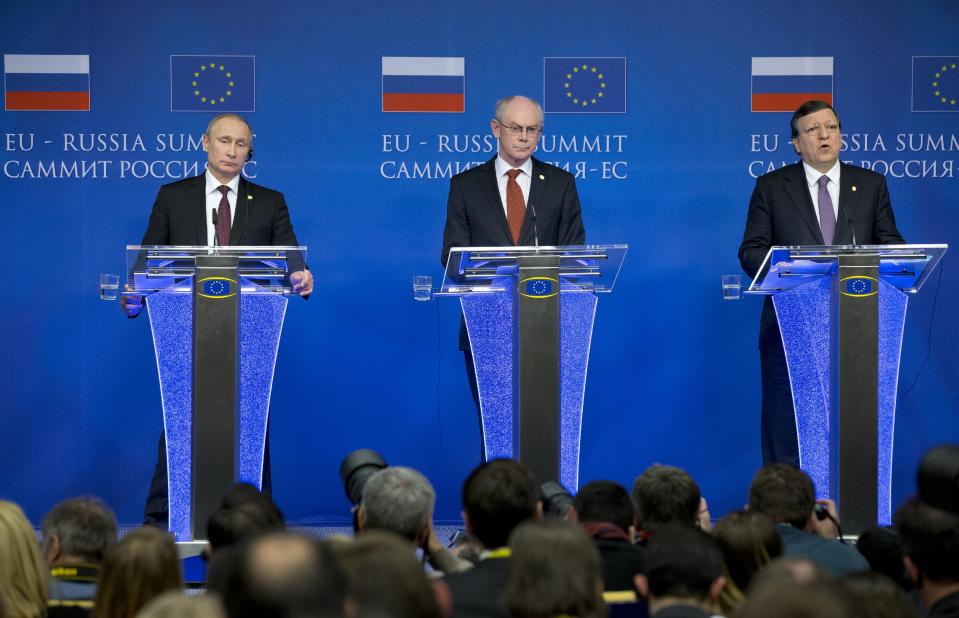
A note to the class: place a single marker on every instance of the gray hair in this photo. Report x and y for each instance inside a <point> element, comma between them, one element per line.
<point>85,527</point>
<point>399,500</point>
<point>505,101</point>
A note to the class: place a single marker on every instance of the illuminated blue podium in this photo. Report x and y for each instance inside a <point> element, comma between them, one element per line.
<point>529,313</point>
<point>841,313</point>
<point>216,315</point>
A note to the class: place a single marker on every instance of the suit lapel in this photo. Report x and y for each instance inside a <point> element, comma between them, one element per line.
<point>537,189</point>
<point>244,201</point>
<point>798,191</point>
<point>848,202</point>
<point>495,202</point>
<point>197,200</point>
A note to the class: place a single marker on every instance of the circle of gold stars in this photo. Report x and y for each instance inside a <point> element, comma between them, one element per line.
<point>944,73</point>
<point>203,74</point>
<point>591,73</point>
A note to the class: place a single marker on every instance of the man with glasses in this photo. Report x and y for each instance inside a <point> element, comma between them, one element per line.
<point>818,201</point>
<point>513,199</point>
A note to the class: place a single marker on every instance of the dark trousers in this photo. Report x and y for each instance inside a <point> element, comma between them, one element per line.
<point>156,511</point>
<point>779,441</point>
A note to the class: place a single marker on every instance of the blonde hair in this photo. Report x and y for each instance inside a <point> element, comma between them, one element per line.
<point>23,571</point>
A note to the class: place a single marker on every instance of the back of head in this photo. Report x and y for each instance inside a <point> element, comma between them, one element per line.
<point>399,500</point>
<point>554,570</point>
<point>604,501</point>
<point>682,562</point>
<point>23,572</point>
<point>140,567</point>
<point>384,578</point>
<point>784,494</point>
<point>175,604</point>
<point>873,595</point>
<point>748,540</point>
<point>883,550</point>
<point>498,496</point>
<point>282,575</point>
<point>785,599</point>
<point>930,538</point>
<point>665,495</point>
<point>244,514</point>
<point>84,528</point>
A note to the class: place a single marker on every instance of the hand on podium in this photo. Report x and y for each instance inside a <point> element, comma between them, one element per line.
<point>130,303</point>
<point>302,281</point>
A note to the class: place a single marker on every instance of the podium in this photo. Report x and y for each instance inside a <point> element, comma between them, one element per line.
<point>841,313</point>
<point>529,314</point>
<point>216,314</point>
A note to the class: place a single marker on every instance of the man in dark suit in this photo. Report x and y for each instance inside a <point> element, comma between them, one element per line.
<point>497,497</point>
<point>244,214</point>
<point>819,201</point>
<point>512,199</point>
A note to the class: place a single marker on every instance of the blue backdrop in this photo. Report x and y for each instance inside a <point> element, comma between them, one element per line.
<point>674,374</point>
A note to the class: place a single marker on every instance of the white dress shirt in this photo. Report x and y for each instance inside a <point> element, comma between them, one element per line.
<point>523,179</point>
<point>812,180</point>
<point>213,197</point>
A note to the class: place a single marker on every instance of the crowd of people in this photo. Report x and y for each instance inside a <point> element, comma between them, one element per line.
<point>604,552</point>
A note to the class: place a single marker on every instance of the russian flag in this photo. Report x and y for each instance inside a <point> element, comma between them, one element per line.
<point>47,82</point>
<point>424,84</point>
<point>783,84</point>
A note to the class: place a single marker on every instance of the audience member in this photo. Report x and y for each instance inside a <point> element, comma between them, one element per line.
<point>384,579</point>
<point>497,496</point>
<point>800,571</point>
<point>748,540</point>
<point>881,548</point>
<point>665,495</point>
<point>23,574</point>
<point>278,575</point>
<point>245,512</point>
<point>930,541</point>
<point>76,534</point>
<point>139,568</point>
<point>554,570</point>
<point>684,573</point>
<point>873,595</point>
<point>786,495</point>
<point>175,604</point>
<point>401,500</point>
<point>605,511</point>
<point>783,598</point>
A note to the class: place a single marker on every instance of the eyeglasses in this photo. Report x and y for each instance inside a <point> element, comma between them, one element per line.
<point>831,127</point>
<point>516,131</point>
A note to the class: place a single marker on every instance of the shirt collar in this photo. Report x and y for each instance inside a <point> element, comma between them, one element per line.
<point>502,167</point>
<point>813,175</point>
<point>212,184</point>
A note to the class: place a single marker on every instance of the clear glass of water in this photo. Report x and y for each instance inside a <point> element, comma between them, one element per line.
<point>109,284</point>
<point>732,287</point>
<point>422,287</point>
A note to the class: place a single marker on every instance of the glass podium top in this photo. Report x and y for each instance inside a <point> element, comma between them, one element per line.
<point>262,270</point>
<point>472,270</point>
<point>905,266</point>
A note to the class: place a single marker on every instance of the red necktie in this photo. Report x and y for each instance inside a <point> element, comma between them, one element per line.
<point>223,218</point>
<point>515,205</point>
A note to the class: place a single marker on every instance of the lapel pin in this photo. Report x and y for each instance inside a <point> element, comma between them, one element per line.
<point>854,187</point>
<point>541,177</point>
<point>250,197</point>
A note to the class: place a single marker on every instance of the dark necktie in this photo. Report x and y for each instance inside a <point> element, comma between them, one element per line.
<point>827,218</point>
<point>223,218</point>
<point>515,205</point>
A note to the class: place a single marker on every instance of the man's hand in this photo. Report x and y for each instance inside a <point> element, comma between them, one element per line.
<point>131,304</point>
<point>826,527</point>
<point>302,281</point>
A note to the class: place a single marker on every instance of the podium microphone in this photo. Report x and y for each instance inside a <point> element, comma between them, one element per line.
<point>849,221</point>
<point>214,228</point>
<point>535,231</point>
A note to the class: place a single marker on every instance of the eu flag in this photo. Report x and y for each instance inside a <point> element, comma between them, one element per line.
<point>212,83</point>
<point>584,85</point>
<point>935,84</point>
